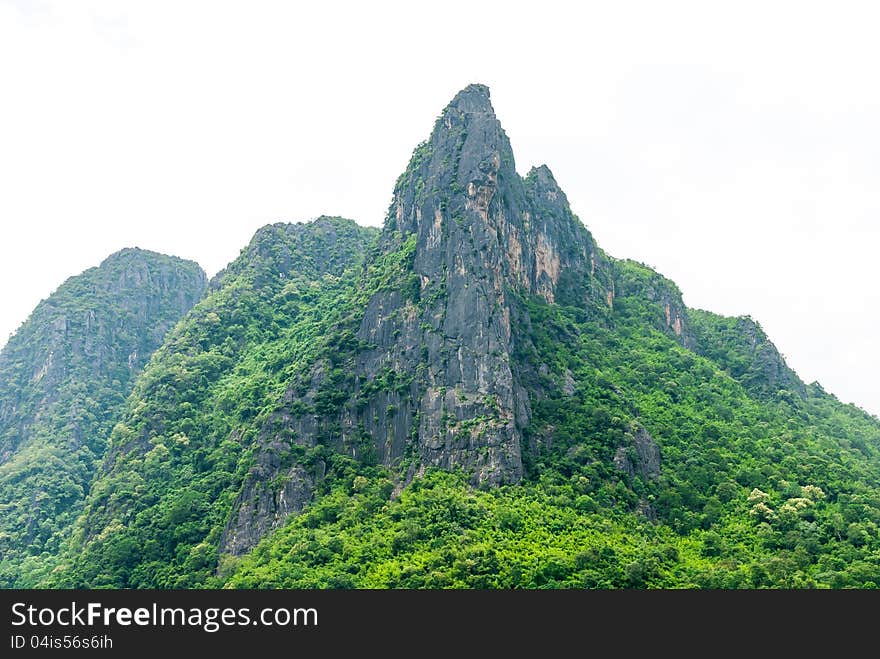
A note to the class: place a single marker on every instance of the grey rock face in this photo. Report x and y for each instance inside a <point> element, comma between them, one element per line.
<point>482,235</point>
<point>460,202</point>
<point>438,377</point>
<point>741,347</point>
<point>261,506</point>
<point>641,456</point>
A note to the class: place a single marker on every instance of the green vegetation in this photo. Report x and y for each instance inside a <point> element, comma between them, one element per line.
<point>441,533</point>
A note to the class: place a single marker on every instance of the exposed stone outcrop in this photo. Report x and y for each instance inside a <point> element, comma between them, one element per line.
<point>640,455</point>
<point>264,504</point>
<point>740,346</point>
<point>435,375</point>
<point>478,233</point>
<point>482,234</point>
<point>670,315</point>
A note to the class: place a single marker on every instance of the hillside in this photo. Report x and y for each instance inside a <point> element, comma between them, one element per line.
<point>64,378</point>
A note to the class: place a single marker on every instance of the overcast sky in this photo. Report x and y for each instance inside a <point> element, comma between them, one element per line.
<point>734,149</point>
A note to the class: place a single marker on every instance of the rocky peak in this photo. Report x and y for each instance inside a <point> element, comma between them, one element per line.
<point>434,382</point>
<point>473,99</point>
<point>456,170</point>
<point>473,232</point>
<point>481,232</point>
<point>461,195</point>
<point>545,182</point>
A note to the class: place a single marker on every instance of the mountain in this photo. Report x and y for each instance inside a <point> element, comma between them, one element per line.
<point>475,396</point>
<point>64,377</point>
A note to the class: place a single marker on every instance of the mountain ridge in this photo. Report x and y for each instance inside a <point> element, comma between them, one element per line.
<point>63,375</point>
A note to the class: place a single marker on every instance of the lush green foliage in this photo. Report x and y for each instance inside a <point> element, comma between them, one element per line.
<point>287,432</point>
<point>720,444</point>
<point>441,533</point>
<point>741,348</point>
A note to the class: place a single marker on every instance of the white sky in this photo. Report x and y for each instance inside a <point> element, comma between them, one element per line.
<point>736,149</point>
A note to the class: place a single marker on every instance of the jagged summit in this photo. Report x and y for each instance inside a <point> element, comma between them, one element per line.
<point>474,235</point>
<point>544,176</point>
<point>475,98</point>
<point>463,158</point>
<point>544,185</point>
